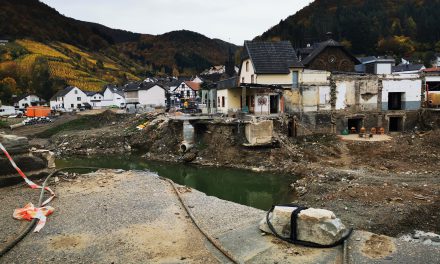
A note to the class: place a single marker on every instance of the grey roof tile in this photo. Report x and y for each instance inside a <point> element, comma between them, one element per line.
<point>271,57</point>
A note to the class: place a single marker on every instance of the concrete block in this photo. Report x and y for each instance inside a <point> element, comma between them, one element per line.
<point>314,225</point>
<point>259,133</point>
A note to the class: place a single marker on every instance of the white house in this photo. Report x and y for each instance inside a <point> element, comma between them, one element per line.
<point>28,100</point>
<point>145,94</point>
<point>187,90</point>
<point>94,99</point>
<point>112,96</point>
<point>268,70</point>
<point>68,99</point>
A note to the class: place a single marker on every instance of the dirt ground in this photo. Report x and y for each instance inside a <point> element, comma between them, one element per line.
<point>389,187</point>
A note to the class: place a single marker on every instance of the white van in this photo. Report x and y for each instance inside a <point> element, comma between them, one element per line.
<point>6,110</point>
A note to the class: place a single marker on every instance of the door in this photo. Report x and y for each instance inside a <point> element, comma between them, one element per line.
<point>274,103</point>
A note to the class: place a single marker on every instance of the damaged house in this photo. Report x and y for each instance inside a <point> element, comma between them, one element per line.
<point>267,70</point>
<point>333,102</point>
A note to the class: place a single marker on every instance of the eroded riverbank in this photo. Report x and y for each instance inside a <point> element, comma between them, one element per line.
<point>387,187</point>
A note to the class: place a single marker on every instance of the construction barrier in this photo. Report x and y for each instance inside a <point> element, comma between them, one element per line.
<point>29,212</point>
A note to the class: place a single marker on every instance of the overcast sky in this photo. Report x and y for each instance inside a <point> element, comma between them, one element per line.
<point>229,20</point>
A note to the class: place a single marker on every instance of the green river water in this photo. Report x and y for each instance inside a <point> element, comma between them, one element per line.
<point>259,190</point>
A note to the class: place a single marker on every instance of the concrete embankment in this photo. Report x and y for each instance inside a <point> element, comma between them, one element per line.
<point>135,217</point>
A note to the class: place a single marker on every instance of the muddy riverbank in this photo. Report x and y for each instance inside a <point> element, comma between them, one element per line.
<point>387,187</point>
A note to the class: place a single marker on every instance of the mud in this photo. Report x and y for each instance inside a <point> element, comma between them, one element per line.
<point>390,187</point>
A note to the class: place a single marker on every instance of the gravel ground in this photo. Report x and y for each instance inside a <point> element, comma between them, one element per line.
<point>135,217</point>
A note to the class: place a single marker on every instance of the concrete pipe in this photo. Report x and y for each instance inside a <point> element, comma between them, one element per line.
<point>16,126</point>
<point>185,146</point>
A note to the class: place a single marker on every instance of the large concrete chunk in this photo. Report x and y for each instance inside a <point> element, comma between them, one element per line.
<point>15,144</point>
<point>259,133</point>
<point>314,225</point>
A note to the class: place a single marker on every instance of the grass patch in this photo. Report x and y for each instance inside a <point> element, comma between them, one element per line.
<point>83,123</point>
<point>4,124</point>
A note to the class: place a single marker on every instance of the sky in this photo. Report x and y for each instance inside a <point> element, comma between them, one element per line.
<point>229,20</point>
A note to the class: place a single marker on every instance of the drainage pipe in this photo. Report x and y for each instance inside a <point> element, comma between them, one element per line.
<point>188,137</point>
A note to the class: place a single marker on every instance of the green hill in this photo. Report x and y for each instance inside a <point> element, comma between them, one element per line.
<point>368,27</point>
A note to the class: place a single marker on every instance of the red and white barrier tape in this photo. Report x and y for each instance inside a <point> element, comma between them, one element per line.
<point>29,211</point>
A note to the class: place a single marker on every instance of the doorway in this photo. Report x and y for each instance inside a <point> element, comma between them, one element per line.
<point>292,130</point>
<point>355,123</point>
<point>395,101</point>
<point>274,103</point>
<point>396,124</point>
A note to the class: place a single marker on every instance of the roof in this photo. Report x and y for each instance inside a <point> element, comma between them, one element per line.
<point>373,59</point>
<point>63,92</point>
<point>193,85</point>
<point>227,83</point>
<point>434,69</point>
<point>149,85</point>
<point>271,57</point>
<point>408,67</point>
<point>137,86</point>
<point>21,97</point>
<point>114,89</point>
<point>132,86</point>
<point>90,93</point>
<point>321,46</point>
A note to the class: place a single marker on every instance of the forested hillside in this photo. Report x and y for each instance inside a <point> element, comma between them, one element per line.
<point>47,51</point>
<point>368,27</point>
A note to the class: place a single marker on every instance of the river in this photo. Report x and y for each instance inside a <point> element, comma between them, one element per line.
<point>259,190</point>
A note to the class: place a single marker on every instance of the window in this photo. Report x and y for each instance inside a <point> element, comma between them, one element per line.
<point>223,101</point>
<point>78,98</point>
<point>188,94</point>
<point>183,85</point>
<point>252,78</point>
<point>76,91</point>
<point>242,79</point>
<point>218,99</point>
<point>294,79</point>
<point>71,105</point>
<point>182,94</point>
<point>247,66</point>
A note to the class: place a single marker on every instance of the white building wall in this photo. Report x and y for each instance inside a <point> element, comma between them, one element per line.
<point>220,108</point>
<point>95,101</point>
<point>383,68</point>
<point>155,96</point>
<point>246,73</point>
<point>411,87</point>
<point>70,101</point>
<point>28,100</point>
